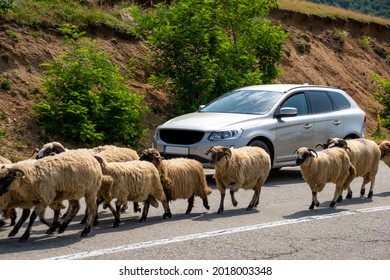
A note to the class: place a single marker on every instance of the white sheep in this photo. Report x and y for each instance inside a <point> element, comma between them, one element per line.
<point>328,166</point>
<point>243,168</point>
<point>137,181</point>
<point>67,176</point>
<point>364,155</point>
<point>9,213</point>
<point>182,178</point>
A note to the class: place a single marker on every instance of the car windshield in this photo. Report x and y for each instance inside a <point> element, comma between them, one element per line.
<point>240,101</point>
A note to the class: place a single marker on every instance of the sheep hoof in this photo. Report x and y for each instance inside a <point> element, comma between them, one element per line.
<point>220,211</point>
<point>207,207</point>
<point>24,237</point>
<point>249,208</point>
<point>370,194</point>
<point>311,206</point>
<point>85,232</point>
<point>362,192</point>
<point>167,215</point>
<point>116,224</point>
<point>332,204</point>
<point>62,228</point>
<point>349,195</point>
<point>340,198</point>
<point>2,223</point>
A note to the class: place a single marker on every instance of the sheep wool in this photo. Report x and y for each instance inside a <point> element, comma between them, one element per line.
<point>328,166</point>
<point>182,178</point>
<point>243,168</point>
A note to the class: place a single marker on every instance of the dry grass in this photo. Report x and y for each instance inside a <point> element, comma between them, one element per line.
<point>318,9</point>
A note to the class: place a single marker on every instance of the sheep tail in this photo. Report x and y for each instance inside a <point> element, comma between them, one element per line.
<point>351,176</point>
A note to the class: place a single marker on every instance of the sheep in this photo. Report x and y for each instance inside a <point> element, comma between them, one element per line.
<point>384,147</point>
<point>7,213</point>
<point>318,169</point>
<point>137,181</point>
<point>243,168</point>
<point>182,178</point>
<point>364,155</point>
<point>110,153</point>
<point>67,176</point>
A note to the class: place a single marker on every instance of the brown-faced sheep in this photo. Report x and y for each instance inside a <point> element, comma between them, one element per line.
<point>384,147</point>
<point>318,169</point>
<point>243,168</point>
<point>110,153</point>
<point>364,155</point>
<point>67,176</point>
<point>182,178</point>
<point>137,181</point>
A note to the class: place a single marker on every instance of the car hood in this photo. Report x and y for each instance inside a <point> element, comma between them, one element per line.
<point>210,121</point>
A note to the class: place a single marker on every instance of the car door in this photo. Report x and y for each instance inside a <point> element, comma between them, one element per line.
<point>328,120</point>
<point>296,131</point>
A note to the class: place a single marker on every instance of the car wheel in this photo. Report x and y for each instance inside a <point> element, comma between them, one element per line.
<point>261,144</point>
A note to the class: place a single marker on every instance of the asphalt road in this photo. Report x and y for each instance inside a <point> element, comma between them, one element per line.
<point>280,228</point>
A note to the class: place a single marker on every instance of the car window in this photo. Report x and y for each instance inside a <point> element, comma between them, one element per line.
<point>297,101</point>
<point>320,102</point>
<point>340,101</point>
<point>244,102</point>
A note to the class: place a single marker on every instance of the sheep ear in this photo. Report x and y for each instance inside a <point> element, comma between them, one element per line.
<point>58,147</point>
<point>209,150</point>
<point>343,143</point>
<point>16,173</point>
<point>227,152</point>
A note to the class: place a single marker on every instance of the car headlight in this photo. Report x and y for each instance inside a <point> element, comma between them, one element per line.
<point>225,135</point>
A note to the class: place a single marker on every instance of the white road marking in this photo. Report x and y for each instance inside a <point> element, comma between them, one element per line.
<point>136,246</point>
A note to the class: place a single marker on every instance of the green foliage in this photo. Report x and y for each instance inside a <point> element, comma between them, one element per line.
<point>365,42</point>
<point>5,5</point>
<point>383,97</point>
<point>205,48</point>
<point>379,8</point>
<point>86,98</point>
<point>5,82</point>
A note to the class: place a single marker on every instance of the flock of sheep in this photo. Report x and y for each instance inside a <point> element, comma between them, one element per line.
<point>107,174</point>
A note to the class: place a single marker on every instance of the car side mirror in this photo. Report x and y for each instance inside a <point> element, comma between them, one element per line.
<point>287,112</point>
<point>201,107</point>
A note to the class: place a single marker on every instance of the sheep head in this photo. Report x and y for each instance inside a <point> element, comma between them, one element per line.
<point>50,149</point>
<point>7,177</point>
<point>384,146</point>
<point>218,153</point>
<point>303,154</point>
<point>151,155</point>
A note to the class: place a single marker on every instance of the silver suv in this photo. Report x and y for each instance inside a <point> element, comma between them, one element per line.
<point>279,118</point>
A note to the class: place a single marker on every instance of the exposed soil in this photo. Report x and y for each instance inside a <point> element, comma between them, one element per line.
<point>313,55</point>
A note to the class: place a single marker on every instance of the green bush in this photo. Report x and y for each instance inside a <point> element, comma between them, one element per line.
<point>86,97</point>
<point>5,5</point>
<point>383,97</point>
<point>365,42</point>
<point>205,48</point>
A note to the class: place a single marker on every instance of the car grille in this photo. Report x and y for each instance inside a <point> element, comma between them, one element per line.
<point>180,137</point>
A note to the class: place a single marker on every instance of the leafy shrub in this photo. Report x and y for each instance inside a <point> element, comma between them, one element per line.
<point>5,82</point>
<point>383,97</point>
<point>5,5</point>
<point>86,98</point>
<point>365,42</point>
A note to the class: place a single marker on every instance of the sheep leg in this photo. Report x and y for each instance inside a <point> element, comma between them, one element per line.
<point>52,226</point>
<point>234,201</point>
<point>167,210</point>
<point>337,193</point>
<point>314,201</point>
<point>73,208</point>
<point>220,209</point>
<point>13,216</point>
<point>26,234</point>
<point>23,218</point>
<point>255,200</point>
<point>90,201</point>
<point>136,207</point>
<point>117,215</point>
<point>190,204</point>
<point>145,211</point>
<point>206,202</point>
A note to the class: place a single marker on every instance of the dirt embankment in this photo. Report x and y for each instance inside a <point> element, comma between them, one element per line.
<point>314,54</point>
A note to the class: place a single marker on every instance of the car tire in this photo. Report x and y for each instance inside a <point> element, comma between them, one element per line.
<point>261,144</point>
